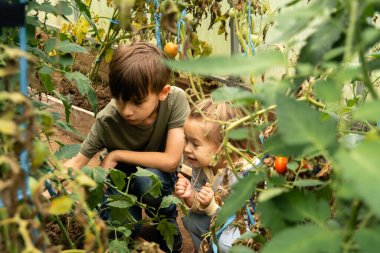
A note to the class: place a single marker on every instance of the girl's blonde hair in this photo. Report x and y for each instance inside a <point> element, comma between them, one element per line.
<point>217,115</point>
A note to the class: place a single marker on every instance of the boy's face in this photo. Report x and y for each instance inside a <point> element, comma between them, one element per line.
<point>143,113</point>
<point>199,151</point>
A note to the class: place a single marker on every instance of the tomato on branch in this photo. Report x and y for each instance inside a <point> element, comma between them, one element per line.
<point>280,164</point>
<point>171,49</point>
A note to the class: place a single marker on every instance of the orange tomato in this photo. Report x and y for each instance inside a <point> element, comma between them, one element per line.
<point>171,49</point>
<point>280,164</point>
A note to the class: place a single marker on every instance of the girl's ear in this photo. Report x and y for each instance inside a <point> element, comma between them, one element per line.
<point>164,92</point>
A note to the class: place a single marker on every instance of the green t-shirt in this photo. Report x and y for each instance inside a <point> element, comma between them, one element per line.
<point>112,132</point>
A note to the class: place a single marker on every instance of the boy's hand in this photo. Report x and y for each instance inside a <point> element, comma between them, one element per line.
<point>183,188</point>
<point>205,195</point>
<point>109,161</point>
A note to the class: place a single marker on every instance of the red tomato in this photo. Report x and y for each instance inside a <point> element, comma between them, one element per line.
<point>280,164</point>
<point>171,49</point>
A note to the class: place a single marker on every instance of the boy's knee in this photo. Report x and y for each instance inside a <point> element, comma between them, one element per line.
<point>145,184</point>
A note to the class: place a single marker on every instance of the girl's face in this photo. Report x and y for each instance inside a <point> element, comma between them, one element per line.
<point>200,152</point>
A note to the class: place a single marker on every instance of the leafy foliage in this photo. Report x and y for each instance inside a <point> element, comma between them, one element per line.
<point>320,109</point>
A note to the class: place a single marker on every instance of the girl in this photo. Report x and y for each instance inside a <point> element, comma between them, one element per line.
<point>211,175</point>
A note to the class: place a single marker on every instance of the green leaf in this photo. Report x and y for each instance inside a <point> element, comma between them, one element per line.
<point>46,70</point>
<point>98,174</point>
<point>238,134</point>
<point>233,94</point>
<point>241,191</point>
<point>301,19</point>
<point>33,21</point>
<point>304,205</point>
<point>230,65</point>
<point>271,216</point>
<point>308,182</point>
<point>60,205</point>
<point>329,32</point>
<point>374,64</point>
<point>300,124</point>
<point>155,190</point>
<point>68,127</point>
<point>66,104</point>
<point>368,240</point>
<point>368,111</point>
<point>327,90</point>
<point>292,208</point>
<point>275,145</point>
<point>84,88</point>
<point>306,239</point>
<point>7,127</point>
<point>169,200</point>
<point>66,46</point>
<point>95,196</point>
<point>120,204</point>
<point>68,151</point>
<point>168,231</point>
<point>39,153</point>
<point>126,232</point>
<point>240,249</point>
<point>64,8</point>
<point>270,193</point>
<point>84,180</point>
<point>66,60</point>
<point>118,178</point>
<point>360,167</point>
<point>46,7</point>
<point>117,246</point>
<point>293,165</point>
<point>50,44</point>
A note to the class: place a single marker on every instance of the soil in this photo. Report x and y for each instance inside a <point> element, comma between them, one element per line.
<point>74,230</point>
<point>69,89</point>
<point>102,91</point>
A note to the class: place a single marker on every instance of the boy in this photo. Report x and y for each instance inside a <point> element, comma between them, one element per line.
<point>142,125</point>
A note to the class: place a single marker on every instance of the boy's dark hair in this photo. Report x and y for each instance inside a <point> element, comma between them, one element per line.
<point>136,70</point>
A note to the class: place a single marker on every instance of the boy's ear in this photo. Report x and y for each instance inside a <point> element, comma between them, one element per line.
<point>164,92</point>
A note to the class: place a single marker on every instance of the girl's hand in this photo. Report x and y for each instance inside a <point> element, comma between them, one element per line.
<point>109,161</point>
<point>183,188</point>
<point>205,195</point>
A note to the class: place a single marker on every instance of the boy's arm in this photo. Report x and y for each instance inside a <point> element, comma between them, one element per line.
<point>77,162</point>
<point>166,161</point>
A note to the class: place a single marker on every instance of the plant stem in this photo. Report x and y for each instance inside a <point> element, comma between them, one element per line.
<point>351,226</point>
<point>64,232</point>
<point>367,219</point>
<point>249,117</point>
<point>193,87</point>
<point>366,79</point>
<point>312,101</point>
<point>351,29</point>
